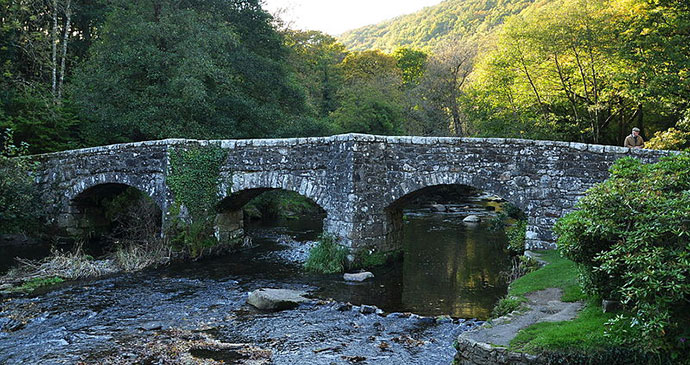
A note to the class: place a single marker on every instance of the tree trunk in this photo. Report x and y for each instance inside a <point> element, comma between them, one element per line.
<point>567,89</point>
<point>68,16</point>
<point>53,40</point>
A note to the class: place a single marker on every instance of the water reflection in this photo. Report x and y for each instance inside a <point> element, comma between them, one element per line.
<point>450,267</point>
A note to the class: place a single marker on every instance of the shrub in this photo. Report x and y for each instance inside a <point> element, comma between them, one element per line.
<point>507,305</point>
<point>498,222</point>
<point>516,237</point>
<point>520,266</point>
<point>631,237</point>
<point>135,257</point>
<point>20,204</point>
<point>366,258</point>
<point>327,256</point>
<point>514,212</point>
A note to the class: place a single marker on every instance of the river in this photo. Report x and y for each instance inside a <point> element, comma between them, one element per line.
<point>448,268</point>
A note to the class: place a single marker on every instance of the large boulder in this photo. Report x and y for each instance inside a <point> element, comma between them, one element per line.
<point>276,299</point>
<point>360,276</point>
<point>472,219</point>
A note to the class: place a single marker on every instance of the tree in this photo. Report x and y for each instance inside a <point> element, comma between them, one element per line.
<point>562,64</point>
<point>20,202</point>
<point>443,82</point>
<point>631,238</point>
<point>371,96</point>
<point>411,63</point>
<point>36,64</point>
<point>211,69</point>
<point>675,138</point>
<point>655,41</point>
<point>315,57</point>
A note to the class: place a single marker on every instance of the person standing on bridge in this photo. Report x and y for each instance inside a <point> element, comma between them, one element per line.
<point>634,140</point>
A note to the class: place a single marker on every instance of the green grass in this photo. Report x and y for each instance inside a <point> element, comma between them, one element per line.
<point>36,283</point>
<point>559,273</point>
<point>327,257</point>
<point>584,333</point>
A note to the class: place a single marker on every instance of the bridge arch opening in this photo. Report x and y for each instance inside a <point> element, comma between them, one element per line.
<point>453,259</point>
<point>111,214</point>
<point>259,212</point>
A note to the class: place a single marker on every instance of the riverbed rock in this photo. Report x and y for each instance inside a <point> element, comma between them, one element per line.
<point>360,276</point>
<point>444,319</point>
<point>438,207</point>
<point>344,307</point>
<point>472,219</point>
<point>276,299</point>
<point>367,309</point>
<point>151,326</point>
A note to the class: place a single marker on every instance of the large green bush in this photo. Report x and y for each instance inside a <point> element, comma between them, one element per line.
<point>631,237</point>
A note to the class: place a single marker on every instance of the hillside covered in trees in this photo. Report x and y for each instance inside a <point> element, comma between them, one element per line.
<point>556,69</point>
<point>434,25</point>
<point>81,73</point>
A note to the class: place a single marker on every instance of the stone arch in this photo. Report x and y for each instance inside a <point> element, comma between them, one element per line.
<point>229,224</point>
<point>87,212</point>
<point>489,184</point>
<point>152,187</point>
<point>415,185</point>
<point>268,180</point>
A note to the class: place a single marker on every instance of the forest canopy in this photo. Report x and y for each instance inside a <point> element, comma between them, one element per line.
<point>81,73</point>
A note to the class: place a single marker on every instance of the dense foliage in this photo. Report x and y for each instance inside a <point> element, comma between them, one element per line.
<point>631,236</point>
<point>20,203</point>
<point>579,70</point>
<point>185,69</point>
<point>434,25</point>
<point>77,73</point>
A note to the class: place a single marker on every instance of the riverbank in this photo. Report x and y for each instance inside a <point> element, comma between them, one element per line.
<point>552,320</point>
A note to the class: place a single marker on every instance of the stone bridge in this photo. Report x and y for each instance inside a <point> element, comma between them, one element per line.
<point>361,181</point>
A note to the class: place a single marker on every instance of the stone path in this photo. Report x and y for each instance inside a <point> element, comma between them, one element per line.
<point>488,344</point>
<point>544,306</point>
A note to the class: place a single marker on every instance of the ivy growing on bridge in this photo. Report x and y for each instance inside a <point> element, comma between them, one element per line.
<point>193,178</point>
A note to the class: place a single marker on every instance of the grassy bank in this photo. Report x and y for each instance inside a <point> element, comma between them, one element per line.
<point>579,340</point>
<point>559,273</point>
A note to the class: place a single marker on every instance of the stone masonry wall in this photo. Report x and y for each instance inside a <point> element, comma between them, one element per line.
<point>543,178</point>
<point>356,179</point>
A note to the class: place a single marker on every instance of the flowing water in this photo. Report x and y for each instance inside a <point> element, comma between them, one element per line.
<point>448,268</point>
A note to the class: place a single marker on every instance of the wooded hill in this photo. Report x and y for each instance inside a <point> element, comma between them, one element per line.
<point>432,25</point>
